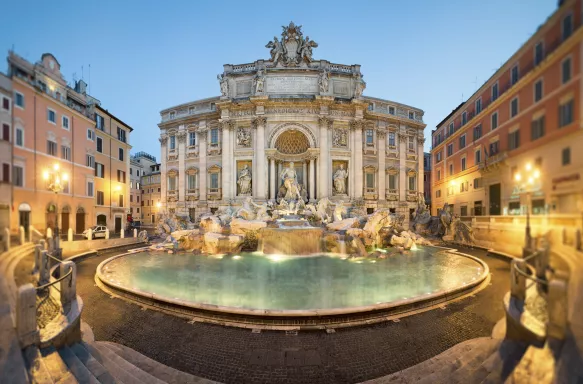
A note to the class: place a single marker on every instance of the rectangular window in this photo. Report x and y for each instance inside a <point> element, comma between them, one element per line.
<point>438,193</point>
<point>65,152</point>
<point>370,181</point>
<point>478,183</point>
<point>5,173</point>
<point>51,148</point>
<point>514,140</point>
<point>19,99</point>
<point>392,181</point>
<point>65,121</point>
<point>19,137</point>
<point>537,128</point>
<point>567,26</point>
<point>438,157</point>
<point>412,183</point>
<point>90,134</point>
<point>566,114</point>
<point>391,110</point>
<point>121,176</point>
<point>463,164</point>
<point>100,198</point>
<point>192,139</point>
<point>478,106</point>
<point>477,132</point>
<point>99,145</point>
<point>478,156</point>
<point>494,120</point>
<point>369,138</point>
<point>462,141</point>
<point>539,53</point>
<point>514,107</point>
<point>438,174</point>
<point>391,139</point>
<point>18,176</point>
<point>566,70</point>
<point>464,118</point>
<point>121,134</point>
<point>172,115</point>
<point>6,103</point>
<point>171,183</point>
<point>566,156</point>
<point>463,210</point>
<point>120,154</point>
<point>451,128</point>
<point>99,122</point>
<point>514,75</point>
<point>90,188</point>
<point>214,180</point>
<point>172,142</point>
<point>99,170</point>
<point>451,169</point>
<point>538,91</point>
<point>214,136</point>
<point>120,201</point>
<point>191,182</point>
<point>411,144</point>
<point>5,132</point>
<point>494,148</point>
<point>90,161</point>
<point>412,115</point>
<point>478,208</point>
<point>450,149</point>
<point>51,116</point>
<point>494,91</point>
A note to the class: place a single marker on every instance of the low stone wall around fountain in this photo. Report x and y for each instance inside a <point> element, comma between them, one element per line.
<point>291,241</point>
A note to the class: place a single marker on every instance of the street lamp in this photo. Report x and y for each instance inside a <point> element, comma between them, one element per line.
<point>525,181</point>
<point>57,180</point>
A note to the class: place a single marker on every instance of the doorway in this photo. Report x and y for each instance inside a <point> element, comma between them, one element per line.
<point>117,228</point>
<point>495,198</point>
<point>24,217</point>
<point>101,219</point>
<point>80,220</point>
<point>65,220</point>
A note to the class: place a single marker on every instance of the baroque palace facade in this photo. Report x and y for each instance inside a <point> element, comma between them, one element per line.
<point>291,112</point>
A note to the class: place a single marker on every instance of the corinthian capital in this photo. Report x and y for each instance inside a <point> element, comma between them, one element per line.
<point>381,133</point>
<point>259,121</point>
<point>163,140</point>
<point>325,122</point>
<point>357,124</point>
<point>181,137</point>
<point>227,125</point>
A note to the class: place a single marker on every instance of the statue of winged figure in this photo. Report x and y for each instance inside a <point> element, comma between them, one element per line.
<point>305,49</point>
<point>277,50</point>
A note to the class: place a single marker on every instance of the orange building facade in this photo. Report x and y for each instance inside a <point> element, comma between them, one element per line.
<point>53,124</point>
<point>525,120</point>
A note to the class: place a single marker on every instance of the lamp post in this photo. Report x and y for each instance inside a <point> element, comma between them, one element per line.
<point>56,179</point>
<point>526,182</point>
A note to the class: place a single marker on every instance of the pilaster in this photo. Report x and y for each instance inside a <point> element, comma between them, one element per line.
<point>202,136</point>
<point>260,176</point>
<point>181,138</point>
<point>402,164</point>
<point>420,168</point>
<point>323,171</point>
<point>357,126</point>
<point>163,168</point>
<point>382,146</point>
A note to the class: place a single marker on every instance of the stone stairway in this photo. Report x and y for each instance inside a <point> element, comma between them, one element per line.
<point>481,360</point>
<point>100,362</point>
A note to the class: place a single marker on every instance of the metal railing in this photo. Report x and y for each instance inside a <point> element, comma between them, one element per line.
<point>41,288</point>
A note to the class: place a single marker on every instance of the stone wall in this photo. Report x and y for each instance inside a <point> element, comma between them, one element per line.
<point>86,245</point>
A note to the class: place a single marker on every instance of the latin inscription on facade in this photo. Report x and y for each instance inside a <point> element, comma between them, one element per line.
<point>279,111</point>
<point>244,87</point>
<point>292,84</point>
<point>341,88</point>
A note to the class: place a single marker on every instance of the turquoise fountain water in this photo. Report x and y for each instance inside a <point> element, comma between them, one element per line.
<point>278,282</point>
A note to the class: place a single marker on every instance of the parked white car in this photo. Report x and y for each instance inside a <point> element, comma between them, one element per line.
<point>97,231</point>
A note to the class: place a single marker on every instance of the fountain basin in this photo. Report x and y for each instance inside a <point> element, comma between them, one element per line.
<point>291,240</point>
<point>277,290</point>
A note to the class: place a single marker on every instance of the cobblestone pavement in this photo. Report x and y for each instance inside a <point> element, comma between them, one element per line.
<point>233,355</point>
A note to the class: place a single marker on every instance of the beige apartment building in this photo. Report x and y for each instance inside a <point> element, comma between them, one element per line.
<point>6,138</point>
<point>141,164</point>
<point>112,163</point>
<point>151,194</point>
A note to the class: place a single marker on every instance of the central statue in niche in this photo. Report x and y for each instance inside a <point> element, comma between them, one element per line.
<point>290,182</point>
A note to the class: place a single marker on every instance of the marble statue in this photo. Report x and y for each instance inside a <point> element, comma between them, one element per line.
<point>276,51</point>
<point>224,85</point>
<point>305,48</point>
<point>290,182</point>
<point>339,211</point>
<point>320,210</point>
<point>340,138</point>
<point>324,81</point>
<point>244,181</point>
<point>244,137</point>
<point>340,177</point>
<point>259,82</point>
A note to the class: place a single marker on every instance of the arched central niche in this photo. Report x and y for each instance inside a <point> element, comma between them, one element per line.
<point>292,142</point>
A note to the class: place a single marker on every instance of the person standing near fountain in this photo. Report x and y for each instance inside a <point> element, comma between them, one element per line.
<point>340,177</point>
<point>290,182</point>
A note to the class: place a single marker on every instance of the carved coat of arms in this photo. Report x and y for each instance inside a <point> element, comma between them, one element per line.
<point>293,49</point>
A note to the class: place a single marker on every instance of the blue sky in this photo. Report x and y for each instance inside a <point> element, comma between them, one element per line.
<point>147,55</point>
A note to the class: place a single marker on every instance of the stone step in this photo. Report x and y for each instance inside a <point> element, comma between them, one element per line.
<point>119,367</point>
<point>37,371</point>
<point>56,367</point>
<point>166,374</point>
<point>12,364</point>
<point>79,370</point>
<point>94,366</point>
<point>499,364</point>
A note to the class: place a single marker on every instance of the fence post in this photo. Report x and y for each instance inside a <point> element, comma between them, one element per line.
<point>135,232</point>
<point>122,233</point>
<point>558,306</point>
<point>44,269</point>
<point>22,234</point>
<point>26,315</point>
<point>578,245</point>
<point>517,281</point>
<point>106,233</point>
<point>43,244</point>
<point>37,256</point>
<point>70,234</point>
<point>30,228</point>
<point>7,234</point>
<point>541,262</point>
<point>49,232</point>
<point>68,285</point>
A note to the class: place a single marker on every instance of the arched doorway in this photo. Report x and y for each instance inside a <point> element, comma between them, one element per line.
<point>101,219</point>
<point>80,220</point>
<point>24,217</point>
<point>292,148</point>
<point>65,219</point>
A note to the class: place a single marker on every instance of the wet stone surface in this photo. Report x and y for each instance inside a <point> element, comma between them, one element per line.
<point>349,355</point>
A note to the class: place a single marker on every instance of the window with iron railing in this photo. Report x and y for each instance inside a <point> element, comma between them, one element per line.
<point>537,128</point>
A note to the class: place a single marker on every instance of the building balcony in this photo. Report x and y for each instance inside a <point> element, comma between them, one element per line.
<point>214,149</point>
<point>214,193</point>
<point>411,195</point>
<point>192,194</point>
<point>371,194</point>
<point>493,162</point>
<point>172,195</point>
